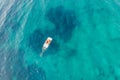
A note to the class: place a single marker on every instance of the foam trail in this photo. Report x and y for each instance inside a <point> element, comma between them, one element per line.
<point>41,54</point>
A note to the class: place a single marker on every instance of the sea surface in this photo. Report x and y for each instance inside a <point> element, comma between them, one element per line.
<point>85,46</point>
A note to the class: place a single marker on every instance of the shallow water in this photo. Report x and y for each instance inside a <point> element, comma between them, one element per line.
<point>85,46</point>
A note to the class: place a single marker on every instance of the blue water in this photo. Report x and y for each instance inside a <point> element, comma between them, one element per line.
<point>85,46</point>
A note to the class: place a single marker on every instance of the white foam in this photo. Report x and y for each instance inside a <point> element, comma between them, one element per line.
<point>5,7</point>
<point>19,35</point>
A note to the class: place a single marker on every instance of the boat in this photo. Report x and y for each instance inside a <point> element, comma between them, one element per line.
<point>46,45</point>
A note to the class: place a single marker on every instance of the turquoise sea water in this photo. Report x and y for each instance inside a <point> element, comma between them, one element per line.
<point>85,46</point>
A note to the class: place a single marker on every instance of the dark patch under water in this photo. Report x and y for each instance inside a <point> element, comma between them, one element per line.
<point>70,53</point>
<point>65,21</point>
<point>36,40</point>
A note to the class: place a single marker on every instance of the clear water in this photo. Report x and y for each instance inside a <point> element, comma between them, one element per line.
<point>85,46</point>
